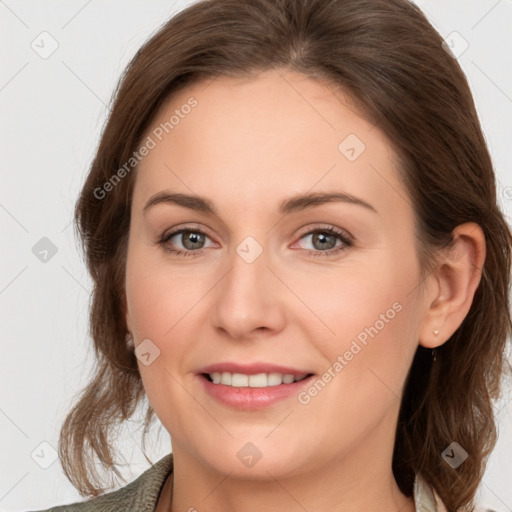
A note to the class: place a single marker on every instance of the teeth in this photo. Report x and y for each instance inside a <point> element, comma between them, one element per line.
<point>259,380</point>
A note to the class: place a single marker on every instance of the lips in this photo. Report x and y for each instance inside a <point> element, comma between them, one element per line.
<point>252,369</point>
<point>252,386</point>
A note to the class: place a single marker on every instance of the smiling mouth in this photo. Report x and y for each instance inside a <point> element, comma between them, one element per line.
<point>258,380</point>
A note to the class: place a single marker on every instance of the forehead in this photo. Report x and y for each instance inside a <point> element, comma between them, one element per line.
<point>277,133</point>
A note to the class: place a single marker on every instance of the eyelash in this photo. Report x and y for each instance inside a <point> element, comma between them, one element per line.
<point>346,240</point>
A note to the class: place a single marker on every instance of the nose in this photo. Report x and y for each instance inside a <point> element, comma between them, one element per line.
<point>249,299</point>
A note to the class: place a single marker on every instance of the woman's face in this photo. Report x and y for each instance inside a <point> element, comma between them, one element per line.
<point>270,282</point>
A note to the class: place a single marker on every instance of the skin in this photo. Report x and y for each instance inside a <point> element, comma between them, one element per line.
<point>246,146</point>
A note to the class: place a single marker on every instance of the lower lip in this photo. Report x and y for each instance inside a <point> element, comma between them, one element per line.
<point>251,399</point>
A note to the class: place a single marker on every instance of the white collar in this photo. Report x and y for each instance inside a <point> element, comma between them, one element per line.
<point>426,498</point>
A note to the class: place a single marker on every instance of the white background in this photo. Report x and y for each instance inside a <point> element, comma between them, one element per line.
<point>52,113</point>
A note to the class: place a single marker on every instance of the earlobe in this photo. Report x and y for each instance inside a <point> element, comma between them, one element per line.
<point>454,283</point>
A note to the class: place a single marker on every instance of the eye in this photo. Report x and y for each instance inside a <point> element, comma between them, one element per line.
<point>184,242</point>
<point>191,241</point>
<point>327,241</point>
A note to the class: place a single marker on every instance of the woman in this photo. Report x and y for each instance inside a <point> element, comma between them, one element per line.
<point>292,227</point>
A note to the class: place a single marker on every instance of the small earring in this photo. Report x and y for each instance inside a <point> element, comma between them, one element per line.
<point>434,357</point>
<point>129,341</point>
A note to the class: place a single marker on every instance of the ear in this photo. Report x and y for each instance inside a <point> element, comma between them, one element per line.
<point>451,287</point>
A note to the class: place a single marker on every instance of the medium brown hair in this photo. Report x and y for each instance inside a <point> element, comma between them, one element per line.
<point>392,63</point>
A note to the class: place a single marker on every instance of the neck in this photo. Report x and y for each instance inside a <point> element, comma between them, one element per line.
<point>344,484</point>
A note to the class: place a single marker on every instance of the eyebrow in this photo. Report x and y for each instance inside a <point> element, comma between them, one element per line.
<point>290,205</point>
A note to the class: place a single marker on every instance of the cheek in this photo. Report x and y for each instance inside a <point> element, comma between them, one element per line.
<point>152,305</point>
<point>158,294</point>
<point>161,308</point>
<point>366,323</point>
<point>165,307</point>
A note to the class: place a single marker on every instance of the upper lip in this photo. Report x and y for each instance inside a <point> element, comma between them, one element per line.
<point>252,368</point>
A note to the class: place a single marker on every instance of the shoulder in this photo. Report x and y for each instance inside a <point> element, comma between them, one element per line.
<point>141,494</point>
